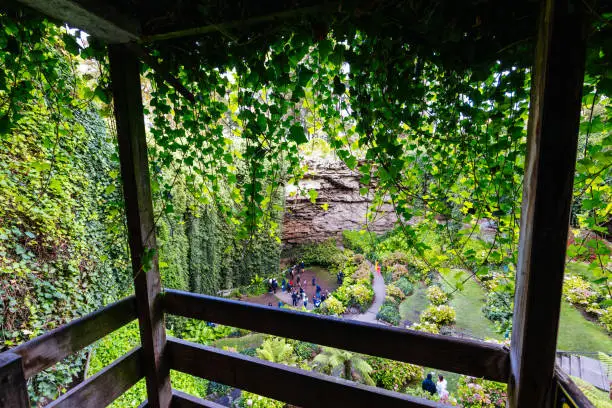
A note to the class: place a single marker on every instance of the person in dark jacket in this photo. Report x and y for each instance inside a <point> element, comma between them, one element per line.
<point>428,385</point>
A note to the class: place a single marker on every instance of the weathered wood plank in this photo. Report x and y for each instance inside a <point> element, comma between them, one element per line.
<point>125,83</point>
<point>281,382</point>
<point>443,352</point>
<point>97,18</point>
<point>44,351</point>
<point>184,400</point>
<point>571,390</point>
<point>13,386</point>
<point>556,87</point>
<point>105,386</point>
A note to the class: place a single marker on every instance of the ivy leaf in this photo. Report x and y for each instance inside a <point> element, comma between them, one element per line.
<point>313,194</point>
<point>297,134</point>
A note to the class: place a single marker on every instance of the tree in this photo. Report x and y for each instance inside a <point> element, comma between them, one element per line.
<point>345,364</point>
<point>276,350</point>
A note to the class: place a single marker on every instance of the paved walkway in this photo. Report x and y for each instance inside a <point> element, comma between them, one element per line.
<point>589,369</point>
<point>379,298</point>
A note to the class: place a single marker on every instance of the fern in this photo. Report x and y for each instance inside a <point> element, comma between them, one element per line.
<point>599,398</point>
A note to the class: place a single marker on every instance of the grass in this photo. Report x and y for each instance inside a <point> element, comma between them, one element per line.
<point>252,340</point>
<point>468,304</point>
<point>578,334</point>
<point>413,305</point>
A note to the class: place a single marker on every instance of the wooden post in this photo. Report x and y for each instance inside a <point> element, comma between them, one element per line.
<point>554,116</point>
<point>125,77</point>
<point>13,387</point>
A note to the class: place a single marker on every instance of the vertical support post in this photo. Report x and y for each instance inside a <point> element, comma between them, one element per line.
<point>554,116</point>
<point>125,77</point>
<point>13,386</point>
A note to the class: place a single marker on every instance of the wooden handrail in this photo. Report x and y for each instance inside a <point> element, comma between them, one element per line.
<point>279,382</point>
<point>475,358</point>
<point>570,390</point>
<point>105,386</point>
<point>55,345</point>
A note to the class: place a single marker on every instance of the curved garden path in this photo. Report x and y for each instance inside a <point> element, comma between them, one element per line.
<point>379,298</point>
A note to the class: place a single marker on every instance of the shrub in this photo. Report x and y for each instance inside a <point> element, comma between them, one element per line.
<point>405,286</point>
<point>393,258</point>
<point>389,312</point>
<point>361,296</point>
<point>395,292</point>
<point>398,271</point>
<point>304,350</point>
<point>498,308</point>
<point>276,350</point>
<point>393,375</point>
<point>436,295</point>
<point>605,318</point>
<point>475,392</point>
<point>250,400</point>
<point>363,272</point>
<point>425,327</point>
<point>358,259</point>
<point>387,276</point>
<point>326,254</point>
<point>578,291</point>
<point>440,315</point>
<point>332,306</point>
<point>359,241</point>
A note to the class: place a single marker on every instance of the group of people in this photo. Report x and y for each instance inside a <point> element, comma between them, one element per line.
<point>437,387</point>
<point>295,286</point>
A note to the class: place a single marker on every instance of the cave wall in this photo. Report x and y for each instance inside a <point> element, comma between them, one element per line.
<point>338,187</point>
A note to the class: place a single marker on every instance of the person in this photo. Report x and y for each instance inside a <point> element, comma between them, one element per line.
<point>298,279</point>
<point>283,284</point>
<point>301,291</point>
<point>270,304</point>
<point>302,266</point>
<point>305,300</point>
<point>428,385</point>
<point>323,297</point>
<point>314,281</point>
<point>317,302</point>
<point>274,285</point>
<point>441,387</point>
<point>318,290</point>
<point>280,304</point>
<point>290,285</point>
<point>294,297</point>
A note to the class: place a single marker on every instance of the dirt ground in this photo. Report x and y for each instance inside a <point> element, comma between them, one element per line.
<point>323,278</point>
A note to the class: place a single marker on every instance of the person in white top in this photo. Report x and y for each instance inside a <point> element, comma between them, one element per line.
<point>441,387</point>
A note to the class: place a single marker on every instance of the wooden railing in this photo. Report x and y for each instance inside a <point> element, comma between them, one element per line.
<point>25,361</point>
<point>479,359</point>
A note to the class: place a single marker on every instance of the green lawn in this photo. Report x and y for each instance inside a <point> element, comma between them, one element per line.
<point>578,334</point>
<point>468,304</point>
<point>413,305</point>
<point>252,340</point>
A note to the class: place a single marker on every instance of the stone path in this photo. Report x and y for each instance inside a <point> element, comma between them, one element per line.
<point>379,298</point>
<point>589,369</point>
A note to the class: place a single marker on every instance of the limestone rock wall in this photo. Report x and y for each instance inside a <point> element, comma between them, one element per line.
<point>338,187</point>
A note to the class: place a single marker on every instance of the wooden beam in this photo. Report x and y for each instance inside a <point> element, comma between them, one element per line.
<point>95,17</point>
<point>228,25</point>
<point>283,383</point>
<point>53,346</point>
<point>105,386</point>
<point>554,116</point>
<point>13,386</point>
<point>184,400</point>
<point>475,358</point>
<point>125,83</point>
<point>570,391</point>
